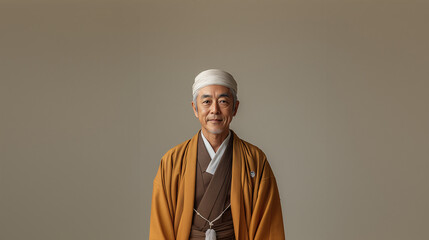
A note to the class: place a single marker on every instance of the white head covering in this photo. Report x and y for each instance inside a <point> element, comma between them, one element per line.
<point>214,77</point>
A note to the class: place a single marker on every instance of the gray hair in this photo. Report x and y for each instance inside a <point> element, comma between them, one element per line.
<point>234,96</point>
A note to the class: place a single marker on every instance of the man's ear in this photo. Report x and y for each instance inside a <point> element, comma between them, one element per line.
<point>193,108</point>
<point>236,107</point>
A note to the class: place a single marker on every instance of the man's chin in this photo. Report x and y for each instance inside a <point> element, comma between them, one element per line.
<point>215,131</point>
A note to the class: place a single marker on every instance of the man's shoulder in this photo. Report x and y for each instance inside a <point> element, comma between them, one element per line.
<point>177,150</point>
<point>252,150</point>
<point>256,159</point>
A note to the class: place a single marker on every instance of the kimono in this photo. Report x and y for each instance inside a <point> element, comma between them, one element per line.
<point>254,198</point>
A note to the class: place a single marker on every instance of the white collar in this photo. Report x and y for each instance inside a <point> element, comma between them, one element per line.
<point>215,156</point>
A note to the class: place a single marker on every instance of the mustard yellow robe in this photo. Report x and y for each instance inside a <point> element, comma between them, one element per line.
<point>255,201</point>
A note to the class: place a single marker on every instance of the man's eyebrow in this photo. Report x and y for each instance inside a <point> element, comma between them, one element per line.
<point>224,95</point>
<point>206,96</point>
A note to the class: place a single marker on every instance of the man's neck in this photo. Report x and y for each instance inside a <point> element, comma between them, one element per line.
<point>215,140</point>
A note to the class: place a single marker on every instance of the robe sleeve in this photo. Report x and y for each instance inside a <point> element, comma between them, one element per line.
<point>267,221</point>
<point>161,217</point>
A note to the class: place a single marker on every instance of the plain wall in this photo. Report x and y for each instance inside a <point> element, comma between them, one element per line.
<point>93,93</point>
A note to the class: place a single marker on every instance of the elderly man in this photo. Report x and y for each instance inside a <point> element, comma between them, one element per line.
<point>215,185</point>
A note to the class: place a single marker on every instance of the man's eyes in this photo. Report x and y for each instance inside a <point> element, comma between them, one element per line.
<point>220,101</point>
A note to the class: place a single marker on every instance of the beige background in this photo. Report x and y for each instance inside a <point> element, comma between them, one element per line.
<point>93,93</point>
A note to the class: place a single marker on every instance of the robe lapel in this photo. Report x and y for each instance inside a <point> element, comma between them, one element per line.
<point>202,177</point>
<point>237,198</point>
<point>188,196</point>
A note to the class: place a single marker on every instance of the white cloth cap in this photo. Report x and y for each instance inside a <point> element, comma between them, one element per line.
<point>214,77</point>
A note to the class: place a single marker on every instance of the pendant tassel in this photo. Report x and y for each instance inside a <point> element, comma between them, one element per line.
<point>211,233</point>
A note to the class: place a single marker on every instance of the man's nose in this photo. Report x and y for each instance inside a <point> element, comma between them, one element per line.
<point>214,108</point>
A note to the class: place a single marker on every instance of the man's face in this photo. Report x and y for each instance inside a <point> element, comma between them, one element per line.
<point>215,109</point>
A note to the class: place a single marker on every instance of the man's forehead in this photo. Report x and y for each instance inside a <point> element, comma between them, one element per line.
<point>214,90</point>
